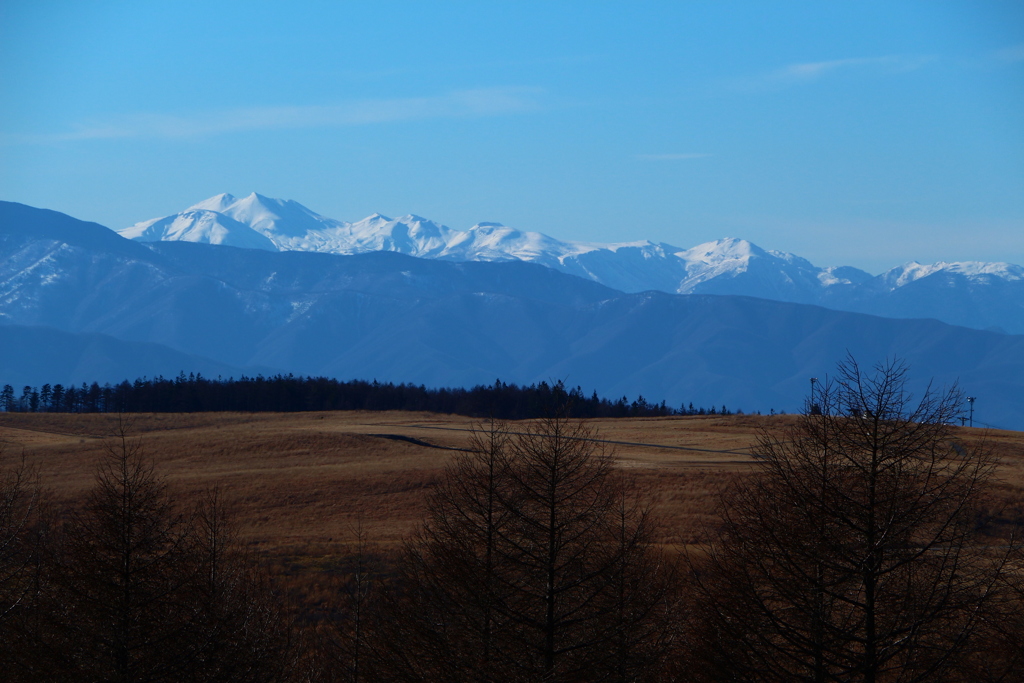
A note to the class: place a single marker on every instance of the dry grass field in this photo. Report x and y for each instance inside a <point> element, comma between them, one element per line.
<point>300,483</point>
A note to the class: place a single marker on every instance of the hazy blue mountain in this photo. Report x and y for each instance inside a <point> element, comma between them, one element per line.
<point>393,317</point>
<point>972,294</point>
<point>39,355</point>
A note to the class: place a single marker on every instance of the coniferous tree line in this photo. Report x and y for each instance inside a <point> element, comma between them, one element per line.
<point>287,393</point>
<point>858,550</point>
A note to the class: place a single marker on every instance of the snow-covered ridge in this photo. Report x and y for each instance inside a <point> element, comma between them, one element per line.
<point>289,226</point>
<point>725,266</point>
<point>266,223</point>
<point>972,270</point>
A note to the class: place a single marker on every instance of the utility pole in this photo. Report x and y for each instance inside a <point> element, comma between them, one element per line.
<point>815,408</point>
<point>970,401</point>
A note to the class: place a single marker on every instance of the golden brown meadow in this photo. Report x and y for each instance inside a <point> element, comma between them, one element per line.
<point>301,483</point>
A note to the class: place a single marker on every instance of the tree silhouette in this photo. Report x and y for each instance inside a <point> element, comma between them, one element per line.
<point>132,588</point>
<point>20,501</point>
<point>119,603</point>
<point>536,563</point>
<point>853,552</point>
<point>449,576</point>
<point>238,631</point>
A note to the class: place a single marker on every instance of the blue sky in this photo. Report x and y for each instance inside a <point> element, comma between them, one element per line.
<point>864,134</point>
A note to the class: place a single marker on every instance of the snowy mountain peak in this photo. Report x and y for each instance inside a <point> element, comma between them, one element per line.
<point>423,226</point>
<point>217,203</point>
<point>725,266</point>
<point>410,234</point>
<point>276,217</point>
<point>413,218</point>
<point>733,247</point>
<point>628,266</point>
<point>199,225</point>
<point>721,252</point>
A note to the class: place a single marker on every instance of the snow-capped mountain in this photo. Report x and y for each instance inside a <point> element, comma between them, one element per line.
<point>978,272</point>
<point>988,296</point>
<point>79,303</point>
<point>199,225</point>
<point>281,220</point>
<point>980,295</point>
<point>725,266</point>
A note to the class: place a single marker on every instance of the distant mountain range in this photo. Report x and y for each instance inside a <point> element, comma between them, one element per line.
<point>80,303</point>
<point>972,294</point>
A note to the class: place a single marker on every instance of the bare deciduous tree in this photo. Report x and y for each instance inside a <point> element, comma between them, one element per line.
<point>121,575</point>
<point>565,546</point>
<point>852,553</point>
<point>19,501</point>
<point>536,563</point>
<point>444,618</point>
<point>19,514</point>
<point>238,630</point>
<point>336,647</point>
<point>133,588</point>
<point>644,600</point>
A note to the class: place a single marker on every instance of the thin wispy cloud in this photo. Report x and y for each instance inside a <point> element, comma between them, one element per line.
<point>809,72</point>
<point>459,104</point>
<point>1014,53</point>
<point>672,157</point>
